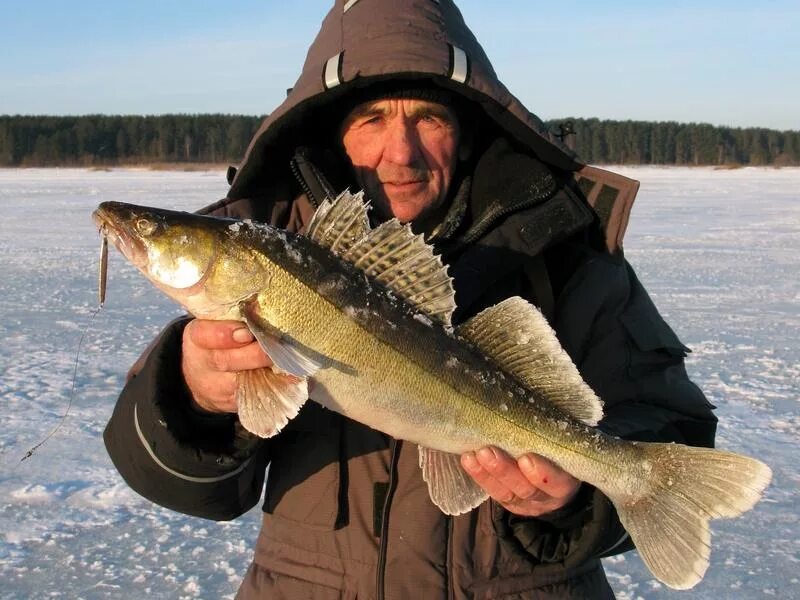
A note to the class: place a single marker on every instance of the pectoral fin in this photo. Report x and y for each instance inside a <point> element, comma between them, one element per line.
<point>286,354</point>
<point>450,487</point>
<point>287,357</point>
<point>268,400</point>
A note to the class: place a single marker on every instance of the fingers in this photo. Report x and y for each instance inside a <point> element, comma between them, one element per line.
<point>222,346</point>
<point>213,353</point>
<point>218,335</point>
<point>548,477</point>
<point>217,395</point>
<point>232,360</point>
<point>498,474</point>
<point>530,486</point>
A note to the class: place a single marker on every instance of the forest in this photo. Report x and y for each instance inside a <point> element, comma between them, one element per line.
<point>103,140</point>
<point>670,143</point>
<point>106,140</point>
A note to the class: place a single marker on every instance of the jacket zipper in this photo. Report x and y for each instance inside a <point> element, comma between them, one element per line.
<point>312,182</point>
<point>383,542</point>
<point>449,558</point>
<point>492,216</point>
<point>303,183</point>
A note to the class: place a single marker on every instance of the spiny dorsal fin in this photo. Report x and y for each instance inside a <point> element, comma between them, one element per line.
<point>392,255</point>
<point>516,336</point>
<point>340,223</point>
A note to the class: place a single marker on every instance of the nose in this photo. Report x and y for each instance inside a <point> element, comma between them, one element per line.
<point>402,143</point>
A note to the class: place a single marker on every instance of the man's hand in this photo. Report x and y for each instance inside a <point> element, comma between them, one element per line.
<point>531,486</point>
<point>213,352</point>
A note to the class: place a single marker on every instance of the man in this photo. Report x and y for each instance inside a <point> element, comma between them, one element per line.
<point>398,98</point>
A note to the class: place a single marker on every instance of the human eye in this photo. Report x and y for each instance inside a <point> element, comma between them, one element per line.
<point>427,119</point>
<point>433,123</point>
<point>370,119</point>
<point>428,116</point>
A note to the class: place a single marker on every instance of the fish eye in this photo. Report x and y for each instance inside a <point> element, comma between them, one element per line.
<point>145,226</point>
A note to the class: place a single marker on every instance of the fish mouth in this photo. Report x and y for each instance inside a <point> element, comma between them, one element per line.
<point>113,225</point>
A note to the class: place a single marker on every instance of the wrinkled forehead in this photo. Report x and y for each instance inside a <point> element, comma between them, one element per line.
<point>412,107</point>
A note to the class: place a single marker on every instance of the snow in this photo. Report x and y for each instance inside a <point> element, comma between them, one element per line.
<point>69,526</point>
<point>717,251</point>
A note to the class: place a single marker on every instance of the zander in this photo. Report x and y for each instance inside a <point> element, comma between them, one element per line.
<point>366,313</point>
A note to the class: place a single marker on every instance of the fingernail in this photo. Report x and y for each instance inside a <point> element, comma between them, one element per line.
<point>487,454</point>
<point>469,462</point>
<point>242,335</point>
<point>526,463</point>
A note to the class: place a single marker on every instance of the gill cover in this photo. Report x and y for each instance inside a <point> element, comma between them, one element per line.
<point>178,256</point>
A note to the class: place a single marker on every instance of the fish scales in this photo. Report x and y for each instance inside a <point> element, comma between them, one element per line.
<point>363,326</point>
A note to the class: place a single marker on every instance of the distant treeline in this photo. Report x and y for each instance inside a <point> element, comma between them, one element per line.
<point>670,143</point>
<point>101,140</point>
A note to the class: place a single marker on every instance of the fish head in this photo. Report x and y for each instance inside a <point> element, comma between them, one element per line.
<point>176,251</point>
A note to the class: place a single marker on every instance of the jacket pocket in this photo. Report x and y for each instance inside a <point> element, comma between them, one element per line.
<point>650,332</point>
<point>260,583</point>
<point>304,478</point>
<point>654,344</point>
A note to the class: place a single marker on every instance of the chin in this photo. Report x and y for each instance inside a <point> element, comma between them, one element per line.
<point>408,209</point>
<point>404,212</point>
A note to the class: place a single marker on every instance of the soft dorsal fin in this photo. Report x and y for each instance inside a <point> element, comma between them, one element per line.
<point>340,223</point>
<point>516,336</point>
<point>392,255</point>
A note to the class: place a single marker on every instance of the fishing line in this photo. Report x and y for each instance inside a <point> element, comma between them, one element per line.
<point>101,294</point>
<point>30,452</point>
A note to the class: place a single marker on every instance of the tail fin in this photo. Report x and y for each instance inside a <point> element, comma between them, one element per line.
<point>688,487</point>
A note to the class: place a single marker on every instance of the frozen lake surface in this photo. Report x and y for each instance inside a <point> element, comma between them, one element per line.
<point>717,250</point>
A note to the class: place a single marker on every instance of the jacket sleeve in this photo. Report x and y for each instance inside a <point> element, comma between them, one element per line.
<point>169,452</point>
<point>635,363</point>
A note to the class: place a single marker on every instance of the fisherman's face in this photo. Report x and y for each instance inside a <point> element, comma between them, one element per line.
<point>404,153</point>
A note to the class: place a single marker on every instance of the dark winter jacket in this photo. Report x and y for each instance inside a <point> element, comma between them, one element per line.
<point>347,514</point>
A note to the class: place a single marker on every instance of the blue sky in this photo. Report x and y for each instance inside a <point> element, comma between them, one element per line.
<point>727,63</point>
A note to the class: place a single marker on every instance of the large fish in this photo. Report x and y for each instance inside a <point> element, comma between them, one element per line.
<point>366,313</point>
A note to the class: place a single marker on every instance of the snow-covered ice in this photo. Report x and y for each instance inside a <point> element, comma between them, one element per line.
<point>69,526</point>
<point>718,251</point>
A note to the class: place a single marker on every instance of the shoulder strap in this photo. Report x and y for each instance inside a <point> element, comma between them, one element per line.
<point>536,272</point>
<point>611,195</point>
